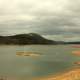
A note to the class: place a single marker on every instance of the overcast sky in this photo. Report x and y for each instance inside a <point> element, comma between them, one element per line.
<point>46,17</point>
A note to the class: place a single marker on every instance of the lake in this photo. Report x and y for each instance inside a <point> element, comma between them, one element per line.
<point>53,59</point>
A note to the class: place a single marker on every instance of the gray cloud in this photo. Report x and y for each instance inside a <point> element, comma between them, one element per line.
<point>40,16</point>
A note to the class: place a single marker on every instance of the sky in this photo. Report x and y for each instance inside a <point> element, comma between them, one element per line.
<point>54,19</point>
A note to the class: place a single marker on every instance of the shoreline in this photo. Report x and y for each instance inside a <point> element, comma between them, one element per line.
<point>69,74</point>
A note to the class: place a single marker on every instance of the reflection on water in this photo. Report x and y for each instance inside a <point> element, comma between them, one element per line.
<point>53,59</point>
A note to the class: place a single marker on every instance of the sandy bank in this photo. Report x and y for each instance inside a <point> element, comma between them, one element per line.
<point>73,74</point>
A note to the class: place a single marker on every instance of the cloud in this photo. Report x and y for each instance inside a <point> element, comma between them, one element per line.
<point>53,17</point>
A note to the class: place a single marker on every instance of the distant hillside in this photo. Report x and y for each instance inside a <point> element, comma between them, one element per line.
<point>23,39</point>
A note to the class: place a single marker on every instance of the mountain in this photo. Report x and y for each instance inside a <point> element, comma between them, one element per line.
<point>23,39</point>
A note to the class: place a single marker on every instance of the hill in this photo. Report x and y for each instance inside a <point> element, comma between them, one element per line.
<point>23,39</point>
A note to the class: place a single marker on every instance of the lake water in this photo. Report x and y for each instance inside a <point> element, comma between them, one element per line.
<point>53,59</point>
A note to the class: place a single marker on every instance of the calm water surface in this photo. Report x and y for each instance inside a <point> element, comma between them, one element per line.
<point>53,59</point>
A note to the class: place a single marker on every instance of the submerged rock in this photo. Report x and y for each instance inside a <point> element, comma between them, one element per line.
<point>76,46</point>
<point>77,63</point>
<point>76,53</point>
<point>28,54</point>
